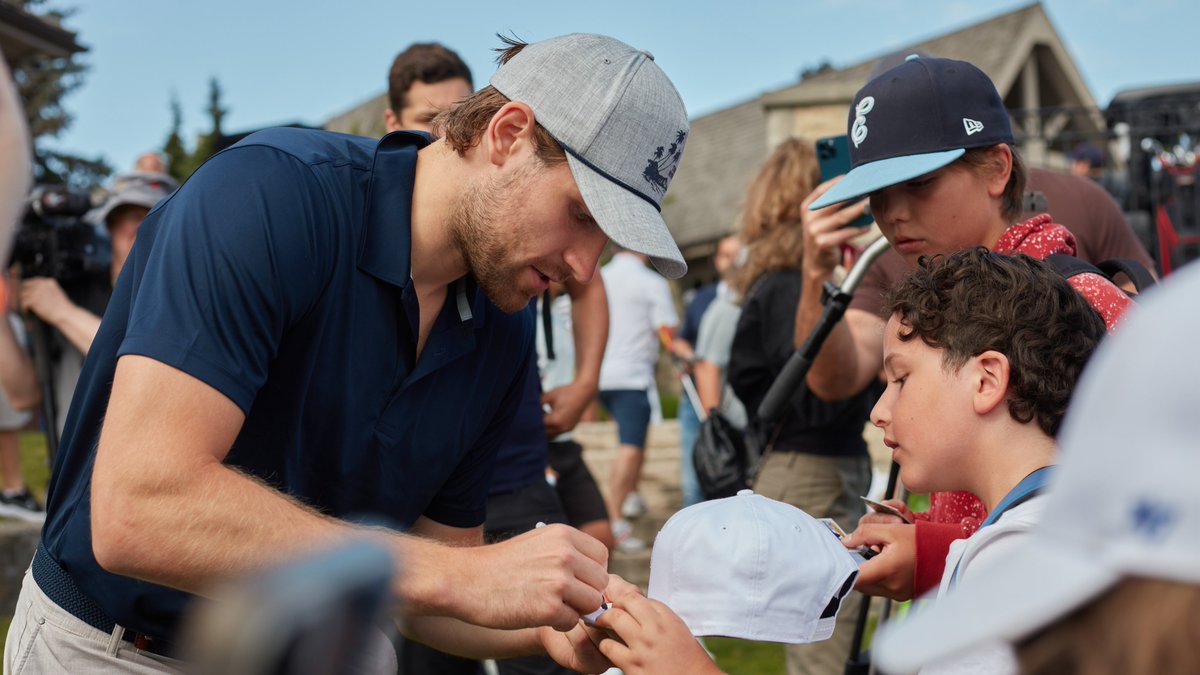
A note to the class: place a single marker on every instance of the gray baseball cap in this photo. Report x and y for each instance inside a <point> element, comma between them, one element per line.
<point>622,125</point>
<point>139,188</point>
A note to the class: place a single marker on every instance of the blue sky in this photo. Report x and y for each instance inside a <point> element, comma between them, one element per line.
<point>306,60</point>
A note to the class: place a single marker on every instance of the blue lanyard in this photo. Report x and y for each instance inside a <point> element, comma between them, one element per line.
<point>1029,486</point>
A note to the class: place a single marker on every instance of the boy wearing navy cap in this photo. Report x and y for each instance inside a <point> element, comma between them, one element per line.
<point>931,145</point>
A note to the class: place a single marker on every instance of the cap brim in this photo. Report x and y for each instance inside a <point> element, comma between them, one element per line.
<point>867,178</point>
<point>629,220</point>
<point>1018,595</point>
<point>141,198</point>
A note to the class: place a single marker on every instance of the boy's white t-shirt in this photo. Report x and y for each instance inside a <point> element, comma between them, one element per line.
<point>973,556</point>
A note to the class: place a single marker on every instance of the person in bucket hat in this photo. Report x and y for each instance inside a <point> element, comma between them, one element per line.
<point>318,329</point>
<point>932,147</point>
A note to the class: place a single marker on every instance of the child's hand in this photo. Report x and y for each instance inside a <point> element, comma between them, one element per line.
<point>889,574</point>
<point>651,640</point>
<point>575,649</point>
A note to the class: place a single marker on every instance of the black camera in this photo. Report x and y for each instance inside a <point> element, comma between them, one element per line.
<point>55,241</point>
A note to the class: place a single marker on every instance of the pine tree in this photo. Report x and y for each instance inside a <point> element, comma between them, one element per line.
<point>184,161</point>
<point>175,149</point>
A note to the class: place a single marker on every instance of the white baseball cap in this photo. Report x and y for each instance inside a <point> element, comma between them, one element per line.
<point>753,568</point>
<point>1123,503</point>
<point>622,125</point>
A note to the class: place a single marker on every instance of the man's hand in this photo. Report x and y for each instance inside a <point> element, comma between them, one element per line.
<point>567,404</point>
<point>651,639</point>
<point>44,297</point>
<point>890,573</point>
<point>825,232</point>
<point>550,576</point>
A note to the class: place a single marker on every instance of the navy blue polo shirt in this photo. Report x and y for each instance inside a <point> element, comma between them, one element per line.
<point>523,455</point>
<point>279,275</point>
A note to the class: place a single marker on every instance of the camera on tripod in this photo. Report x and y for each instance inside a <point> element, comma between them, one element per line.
<point>54,240</point>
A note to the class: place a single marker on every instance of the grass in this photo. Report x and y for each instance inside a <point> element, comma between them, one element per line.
<point>36,468</point>
<point>34,463</point>
<point>742,657</point>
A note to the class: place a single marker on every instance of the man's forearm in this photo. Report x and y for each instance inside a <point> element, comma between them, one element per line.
<point>470,641</point>
<point>589,316</point>
<point>79,326</point>
<point>834,374</point>
<point>707,376</point>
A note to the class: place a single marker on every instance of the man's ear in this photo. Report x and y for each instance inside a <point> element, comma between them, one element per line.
<point>989,372</point>
<point>510,130</point>
<point>391,121</point>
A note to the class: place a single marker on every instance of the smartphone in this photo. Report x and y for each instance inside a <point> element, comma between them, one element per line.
<point>880,507</point>
<point>833,156</point>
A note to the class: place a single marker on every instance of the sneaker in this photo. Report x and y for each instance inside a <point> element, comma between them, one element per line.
<point>623,535</point>
<point>634,506</point>
<point>22,506</point>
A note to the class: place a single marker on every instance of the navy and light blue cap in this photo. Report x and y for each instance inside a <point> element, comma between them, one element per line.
<point>917,118</point>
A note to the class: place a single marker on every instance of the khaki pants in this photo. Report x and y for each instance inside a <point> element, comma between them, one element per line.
<point>45,638</point>
<point>823,487</point>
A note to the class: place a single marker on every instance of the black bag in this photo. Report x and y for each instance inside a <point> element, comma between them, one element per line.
<point>1069,266</point>
<point>720,457</point>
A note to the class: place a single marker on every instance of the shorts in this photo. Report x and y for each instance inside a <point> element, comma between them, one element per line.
<point>631,409</point>
<point>577,489</point>
<point>519,511</point>
<point>12,419</point>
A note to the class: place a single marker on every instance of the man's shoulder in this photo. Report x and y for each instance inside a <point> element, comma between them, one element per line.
<point>312,146</point>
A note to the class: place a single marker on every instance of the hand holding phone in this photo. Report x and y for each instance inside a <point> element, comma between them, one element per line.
<point>833,156</point>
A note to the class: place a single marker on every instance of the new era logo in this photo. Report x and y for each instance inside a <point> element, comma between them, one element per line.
<point>972,126</point>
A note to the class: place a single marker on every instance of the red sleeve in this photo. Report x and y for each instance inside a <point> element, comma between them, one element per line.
<point>933,543</point>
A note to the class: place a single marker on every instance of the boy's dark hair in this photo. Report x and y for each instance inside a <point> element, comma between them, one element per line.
<point>427,62</point>
<point>973,301</point>
<point>463,125</point>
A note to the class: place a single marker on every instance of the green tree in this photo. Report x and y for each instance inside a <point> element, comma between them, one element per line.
<point>43,82</point>
<point>175,149</point>
<point>184,161</point>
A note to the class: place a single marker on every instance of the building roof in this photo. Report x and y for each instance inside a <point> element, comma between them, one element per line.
<point>22,34</point>
<point>731,143</point>
<point>364,119</point>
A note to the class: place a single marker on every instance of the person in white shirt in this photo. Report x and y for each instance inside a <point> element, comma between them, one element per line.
<point>641,317</point>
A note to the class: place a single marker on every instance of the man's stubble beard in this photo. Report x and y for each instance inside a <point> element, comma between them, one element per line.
<point>485,243</point>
